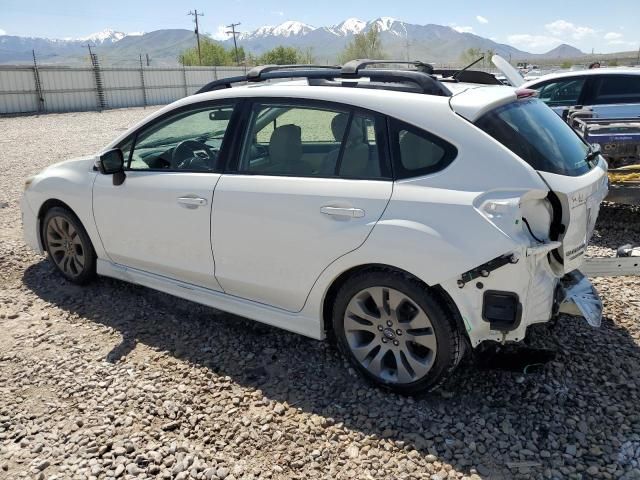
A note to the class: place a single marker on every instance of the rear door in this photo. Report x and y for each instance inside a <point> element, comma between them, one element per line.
<point>309,183</point>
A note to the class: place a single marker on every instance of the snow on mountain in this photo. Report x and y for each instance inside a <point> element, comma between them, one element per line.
<point>289,28</point>
<point>351,26</point>
<point>107,35</point>
<point>286,29</point>
<point>384,24</point>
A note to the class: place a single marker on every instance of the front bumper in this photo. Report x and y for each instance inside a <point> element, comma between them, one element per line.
<point>30,226</point>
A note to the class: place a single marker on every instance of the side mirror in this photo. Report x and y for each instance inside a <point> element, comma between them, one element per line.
<point>112,163</point>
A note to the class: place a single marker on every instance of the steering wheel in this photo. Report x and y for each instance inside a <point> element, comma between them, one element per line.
<point>192,155</point>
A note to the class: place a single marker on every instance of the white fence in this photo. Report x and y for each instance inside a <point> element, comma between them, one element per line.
<point>30,89</point>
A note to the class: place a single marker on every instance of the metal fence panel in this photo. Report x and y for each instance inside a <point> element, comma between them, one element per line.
<point>17,91</point>
<point>66,89</point>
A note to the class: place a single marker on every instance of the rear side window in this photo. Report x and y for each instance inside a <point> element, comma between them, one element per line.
<point>416,152</point>
<point>617,89</point>
<point>561,93</point>
<point>536,134</point>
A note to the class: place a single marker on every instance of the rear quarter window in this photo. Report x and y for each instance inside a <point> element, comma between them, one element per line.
<point>538,135</point>
<point>417,152</point>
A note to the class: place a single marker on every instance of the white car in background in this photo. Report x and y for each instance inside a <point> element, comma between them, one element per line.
<point>408,216</point>
<point>610,92</point>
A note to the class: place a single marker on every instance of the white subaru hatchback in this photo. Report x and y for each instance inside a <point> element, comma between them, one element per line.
<point>407,213</point>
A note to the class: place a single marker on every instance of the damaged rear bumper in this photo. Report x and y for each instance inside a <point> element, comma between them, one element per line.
<point>500,299</point>
<point>579,297</point>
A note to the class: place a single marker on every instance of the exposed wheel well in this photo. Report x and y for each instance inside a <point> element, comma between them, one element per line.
<point>46,206</point>
<point>329,300</point>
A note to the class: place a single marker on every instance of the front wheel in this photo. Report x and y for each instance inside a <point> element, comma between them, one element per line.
<point>68,245</point>
<point>395,332</point>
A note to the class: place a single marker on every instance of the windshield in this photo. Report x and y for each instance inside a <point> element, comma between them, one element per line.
<point>538,135</point>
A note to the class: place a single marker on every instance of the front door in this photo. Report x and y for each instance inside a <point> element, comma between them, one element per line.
<point>310,184</point>
<point>159,219</point>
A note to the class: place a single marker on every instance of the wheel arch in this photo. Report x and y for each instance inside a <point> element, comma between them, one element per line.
<point>330,295</point>
<point>44,208</point>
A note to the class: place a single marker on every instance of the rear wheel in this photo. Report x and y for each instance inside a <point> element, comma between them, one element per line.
<point>395,332</point>
<point>68,245</point>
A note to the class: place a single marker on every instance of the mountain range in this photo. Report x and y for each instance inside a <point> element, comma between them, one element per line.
<point>433,43</point>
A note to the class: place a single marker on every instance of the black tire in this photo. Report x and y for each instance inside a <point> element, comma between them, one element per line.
<point>443,358</point>
<point>68,246</point>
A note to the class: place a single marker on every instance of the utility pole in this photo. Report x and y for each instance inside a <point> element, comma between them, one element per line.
<point>197,30</point>
<point>235,44</point>
<point>407,45</point>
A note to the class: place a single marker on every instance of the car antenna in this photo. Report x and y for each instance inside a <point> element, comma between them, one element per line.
<point>457,74</point>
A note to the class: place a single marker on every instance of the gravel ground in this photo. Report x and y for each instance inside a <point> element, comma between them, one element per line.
<point>117,381</point>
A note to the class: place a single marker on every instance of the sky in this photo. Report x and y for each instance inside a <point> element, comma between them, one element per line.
<point>532,26</point>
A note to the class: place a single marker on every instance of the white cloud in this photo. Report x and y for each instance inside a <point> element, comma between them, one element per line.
<point>564,29</point>
<point>615,38</point>
<point>3,32</point>
<point>220,33</point>
<point>533,42</point>
<point>482,19</point>
<point>462,29</point>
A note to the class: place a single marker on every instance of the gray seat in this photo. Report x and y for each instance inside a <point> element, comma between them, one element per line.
<point>285,149</point>
<point>357,160</point>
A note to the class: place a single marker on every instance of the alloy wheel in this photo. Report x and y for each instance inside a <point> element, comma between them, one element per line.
<point>65,246</point>
<point>390,335</point>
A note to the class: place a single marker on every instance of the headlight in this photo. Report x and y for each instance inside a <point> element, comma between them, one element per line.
<point>28,182</point>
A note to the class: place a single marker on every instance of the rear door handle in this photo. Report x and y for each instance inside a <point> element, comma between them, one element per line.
<point>342,211</point>
<point>192,202</point>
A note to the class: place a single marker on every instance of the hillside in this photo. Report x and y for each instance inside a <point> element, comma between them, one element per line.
<point>434,43</point>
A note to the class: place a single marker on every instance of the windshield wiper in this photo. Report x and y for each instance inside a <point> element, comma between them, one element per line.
<point>592,154</point>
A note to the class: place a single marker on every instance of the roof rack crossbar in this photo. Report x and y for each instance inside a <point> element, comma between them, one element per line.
<point>353,67</point>
<point>255,73</point>
<point>426,83</point>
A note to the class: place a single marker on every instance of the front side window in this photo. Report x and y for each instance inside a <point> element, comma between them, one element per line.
<point>311,141</point>
<point>561,93</point>
<point>536,134</point>
<point>617,89</point>
<point>188,141</point>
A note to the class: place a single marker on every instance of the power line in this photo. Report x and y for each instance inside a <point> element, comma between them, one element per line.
<point>195,14</point>
<point>235,44</point>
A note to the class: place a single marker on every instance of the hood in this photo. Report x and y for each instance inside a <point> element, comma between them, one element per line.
<point>508,70</point>
<point>76,164</point>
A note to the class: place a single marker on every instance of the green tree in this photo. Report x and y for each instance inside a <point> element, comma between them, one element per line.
<point>612,63</point>
<point>280,55</point>
<point>213,53</point>
<point>364,45</point>
<point>471,54</point>
<point>566,64</point>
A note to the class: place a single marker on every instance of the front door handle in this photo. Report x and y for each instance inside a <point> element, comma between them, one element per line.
<point>342,211</point>
<point>192,202</point>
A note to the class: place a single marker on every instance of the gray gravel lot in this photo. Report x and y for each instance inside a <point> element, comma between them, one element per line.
<point>117,381</point>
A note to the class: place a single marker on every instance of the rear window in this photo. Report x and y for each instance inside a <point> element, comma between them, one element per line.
<point>538,135</point>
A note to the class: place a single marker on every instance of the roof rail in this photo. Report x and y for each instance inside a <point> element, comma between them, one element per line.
<point>353,67</point>
<point>254,74</point>
<point>424,82</point>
